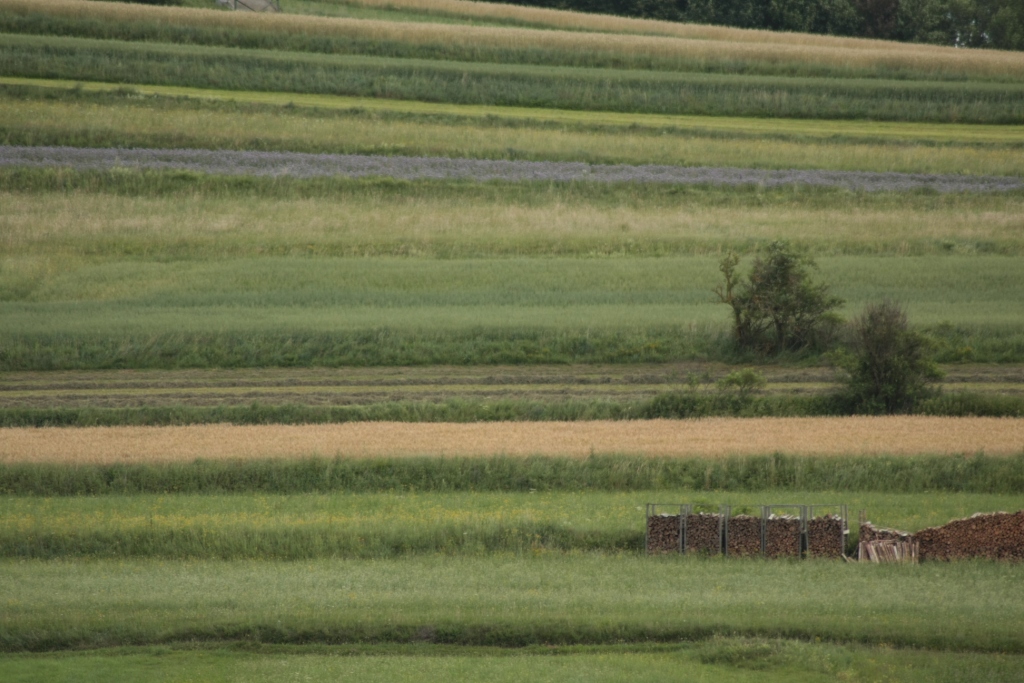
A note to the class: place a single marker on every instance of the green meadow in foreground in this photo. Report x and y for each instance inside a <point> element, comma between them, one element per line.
<point>505,600</point>
<point>719,659</point>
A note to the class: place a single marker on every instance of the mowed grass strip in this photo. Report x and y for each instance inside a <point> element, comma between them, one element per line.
<point>679,438</point>
<point>557,599</point>
<point>510,44</point>
<point>834,130</point>
<point>723,659</point>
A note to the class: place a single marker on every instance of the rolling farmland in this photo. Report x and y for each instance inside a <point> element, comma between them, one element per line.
<point>352,340</point>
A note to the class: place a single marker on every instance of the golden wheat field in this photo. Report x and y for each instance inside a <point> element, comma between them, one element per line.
<point>725,44</point>
<point>666,438</point>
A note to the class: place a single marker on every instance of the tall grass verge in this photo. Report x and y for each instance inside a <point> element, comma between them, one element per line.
<point>513,85</point>
<point>776,472</point>
<point>669,405</point>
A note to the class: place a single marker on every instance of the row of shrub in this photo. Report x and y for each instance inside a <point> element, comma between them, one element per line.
<point>672,405</point>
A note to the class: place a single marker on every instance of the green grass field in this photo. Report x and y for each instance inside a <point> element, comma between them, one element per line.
<point>733,660</point>
<point>387,525</point>
<point>73,312</point>
<point>166,297</point>
<point>496,39</point>
<point>654,92</point>
<point>68,116</point>
<point>508,600</point>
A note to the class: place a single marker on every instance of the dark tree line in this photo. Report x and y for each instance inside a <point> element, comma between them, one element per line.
<point>968,23</point>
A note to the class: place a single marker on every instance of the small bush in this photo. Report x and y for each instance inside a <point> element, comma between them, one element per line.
<point>890,370</point>
<point>779,307</point>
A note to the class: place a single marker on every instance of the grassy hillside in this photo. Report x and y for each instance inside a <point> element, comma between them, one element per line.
<point>592,41</point>
<point>511,84</point>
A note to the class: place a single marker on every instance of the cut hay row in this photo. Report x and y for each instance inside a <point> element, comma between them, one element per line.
<point>729,45</point>
<point>664,438</point>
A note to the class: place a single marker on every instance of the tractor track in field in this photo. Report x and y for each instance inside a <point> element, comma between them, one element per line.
<point>363,386</point>
<point>303,165</point>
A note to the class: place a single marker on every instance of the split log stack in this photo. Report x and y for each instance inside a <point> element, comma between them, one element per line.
<point>704,533</point>
<point>743,536</point>
<point>825,536</point>
<point>994,536</point>
<point>869,532</point>
<point>782,536</point>
<point>663,534</point>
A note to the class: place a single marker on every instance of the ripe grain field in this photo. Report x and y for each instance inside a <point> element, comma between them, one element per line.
<point>707,437</point>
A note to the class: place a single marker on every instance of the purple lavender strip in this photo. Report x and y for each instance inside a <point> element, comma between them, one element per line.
<point>301,165</point>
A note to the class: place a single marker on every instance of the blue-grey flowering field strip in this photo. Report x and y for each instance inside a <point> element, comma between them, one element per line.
<point>301,165</point>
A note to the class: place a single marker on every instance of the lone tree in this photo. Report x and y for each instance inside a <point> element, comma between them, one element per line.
<point>778,307</point>
<point>890,369</point>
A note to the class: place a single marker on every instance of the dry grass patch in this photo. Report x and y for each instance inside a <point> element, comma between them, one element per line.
<point>666,438</point>
<point>687,42</point>
<point>55,223</point>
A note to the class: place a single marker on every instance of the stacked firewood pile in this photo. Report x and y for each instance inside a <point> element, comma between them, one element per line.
<point>782,536</point>
<point>886,550</point>
<point>995,536</point>
<point>869,532</point>
<point>704,533</point>
<point>744,536</point>
<point>825,536</point>
<point>663,534</point>
<point>886,545</point>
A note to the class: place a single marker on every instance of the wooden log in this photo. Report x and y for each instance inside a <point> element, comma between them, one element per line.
<point>825,537</point>
<point>663,534</point>
<point>782,536</point>
<point>704,533</point>
<point>743,536</point>
<point>994,536</point>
